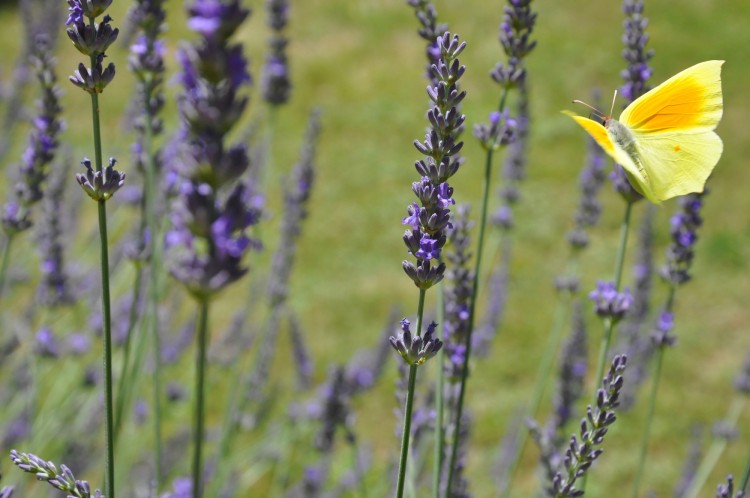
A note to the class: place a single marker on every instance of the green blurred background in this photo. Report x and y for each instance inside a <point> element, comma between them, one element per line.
<point>362,63</point>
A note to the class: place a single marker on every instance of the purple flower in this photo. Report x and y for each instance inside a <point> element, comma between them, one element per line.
<point>46,344</point>
<point>662,335</point>
<point>635,39</point>
<point>415,349</point>
<point>428,221</point>
<point>515,39</point>
<point>685,224</point>
<point>609,303</point>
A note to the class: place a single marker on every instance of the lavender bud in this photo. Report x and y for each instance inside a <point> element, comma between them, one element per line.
<point>608,302</point>
<point>100,185</point>
<point>415,350</point>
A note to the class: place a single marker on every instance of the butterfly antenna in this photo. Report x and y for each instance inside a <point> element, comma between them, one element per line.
<point>596,111</point>
<point>612,109</point>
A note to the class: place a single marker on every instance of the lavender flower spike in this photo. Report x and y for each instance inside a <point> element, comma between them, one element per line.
<point>429,221</point>
<point>608,302</point>
<point>415,350</point>
<point>64,480</point>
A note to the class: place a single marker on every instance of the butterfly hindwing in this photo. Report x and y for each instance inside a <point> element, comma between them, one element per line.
<point>677,163</point>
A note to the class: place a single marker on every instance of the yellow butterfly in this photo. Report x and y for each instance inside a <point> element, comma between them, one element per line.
<point>664,139</point>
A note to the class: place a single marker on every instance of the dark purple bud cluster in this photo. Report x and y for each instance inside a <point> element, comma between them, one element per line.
<point>214,209</point>
<point>100,185</point>
<point>582,452</point>
<point>742,380</point>
<point>727,490</point>
<point>91,39</point>
<point>430,31</point>
<point>662,335</point>
<point>275,83</point>
<point>498,132</point>
<point>515,38</point>
<point>635,39</point>
<point>415,349</point>
<point>608,302</point>
<point>64,480</point>
<point>685,224</point>
<point>42,143</point>
<point>429,221</point>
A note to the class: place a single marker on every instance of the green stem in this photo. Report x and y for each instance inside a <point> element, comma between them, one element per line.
<point>545,367</point>
<point>439,401</point>
<point>409,405</point>
<point>155,266</point>
<point>200,369</point>
<point>109,426</point>
<point>121,397</point>
<point>109,429</point>
<point>472,307</point>
<point>609,323</point>
<point>6,261</point>
<point>649,418</point>
<point>717,448</point>
<point>746,477</point>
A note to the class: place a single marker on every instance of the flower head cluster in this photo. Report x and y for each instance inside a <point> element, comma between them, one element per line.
<point>680,253</point>
<point>662,335</point>
<point>415,349</point>
<point>91,39</point>
<point>429,220</point>
<point>275,84</point>
<point>635,54</point>
<point>64,480</point>
<point>515,38</point>
<point>582,452</point>
<point>42,144</point>
<point>727,491</point>
<point>208,237</point>
<point>608,302</point>
<point>742,379</point>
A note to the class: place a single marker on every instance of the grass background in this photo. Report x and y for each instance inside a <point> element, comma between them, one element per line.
<point>362,63</point>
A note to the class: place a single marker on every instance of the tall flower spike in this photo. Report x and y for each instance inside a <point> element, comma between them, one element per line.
<point>428,222</point>
<point>685,224</point>
<point>64,480</point>
<point>209,220</point>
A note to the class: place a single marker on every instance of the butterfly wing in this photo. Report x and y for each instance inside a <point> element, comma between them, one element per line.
<point>676,163</point>
<point>672,128</point>
<point>597,132</point>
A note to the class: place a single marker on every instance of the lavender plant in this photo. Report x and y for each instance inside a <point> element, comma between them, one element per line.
<point>207,240</point>
<point>275,84</point>
<point>99,182</point>
<point>429,221</point>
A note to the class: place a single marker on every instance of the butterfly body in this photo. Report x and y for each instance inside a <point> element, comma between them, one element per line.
<point>664,140</point>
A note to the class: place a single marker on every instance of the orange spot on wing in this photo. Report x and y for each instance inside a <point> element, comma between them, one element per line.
<point>677,148</point>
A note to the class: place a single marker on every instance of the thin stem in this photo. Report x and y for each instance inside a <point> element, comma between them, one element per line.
<point>6,261</point>
<point>109,426</point>
<point>746,477</point>
<point>439,398</point>
<point>545,367</point>
<point>155,265</point>
<point>472,307</point>
<point>121,397</point>
<point>716,449</point>
<point>200,369</point>
<point>408,409</point>
<point>609,324</point>
<point>649,418</point>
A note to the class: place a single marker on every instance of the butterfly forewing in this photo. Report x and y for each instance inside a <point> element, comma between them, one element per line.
<point>688,101</point>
